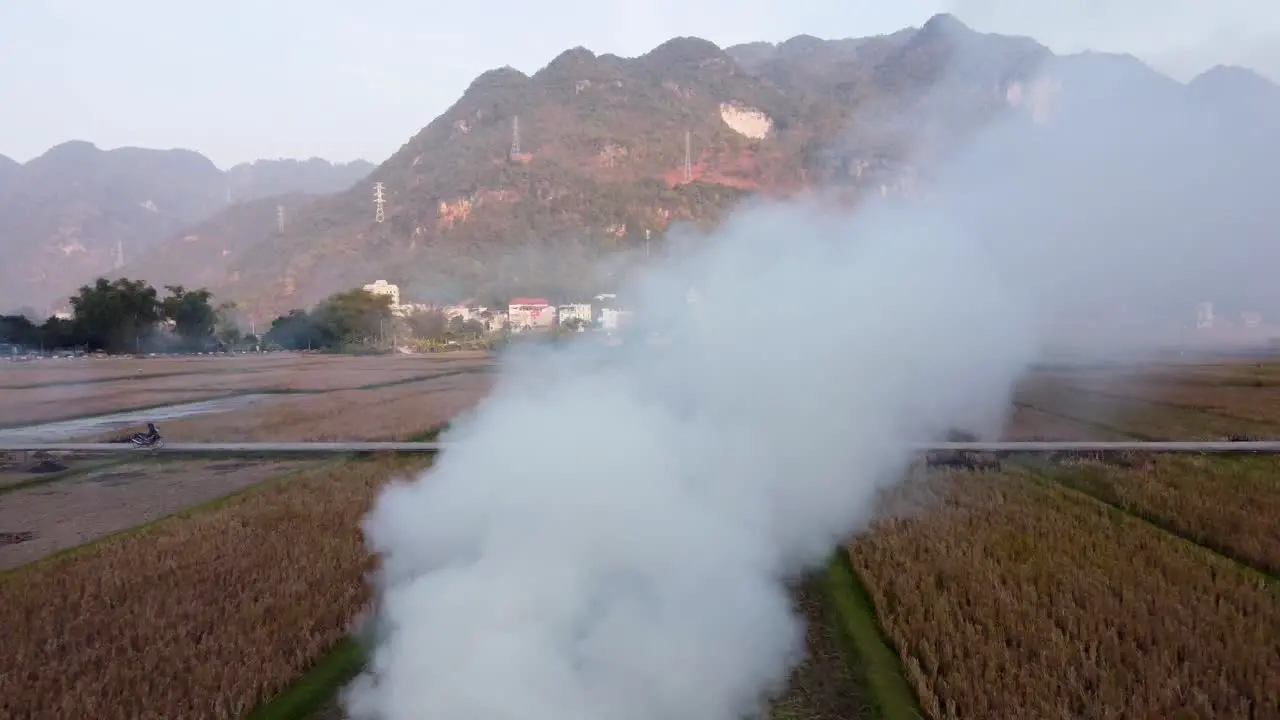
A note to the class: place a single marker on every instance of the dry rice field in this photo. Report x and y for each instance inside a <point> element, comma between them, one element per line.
<point>1060,587</point>
<point>65,389</point>
<point>84,497</point>
<point>1015,599</point>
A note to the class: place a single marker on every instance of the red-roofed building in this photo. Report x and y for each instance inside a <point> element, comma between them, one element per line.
<point>530,314</point>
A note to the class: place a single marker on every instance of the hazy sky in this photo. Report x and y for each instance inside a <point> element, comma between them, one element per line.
<point>239,80</point>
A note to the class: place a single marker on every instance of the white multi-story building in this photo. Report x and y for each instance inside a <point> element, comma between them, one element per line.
<point>613,319</point>
<point>531,314</point>
<point>1204,315</point>
<point>382,287</point>
<point>574,311</point>
<point>496,322</point>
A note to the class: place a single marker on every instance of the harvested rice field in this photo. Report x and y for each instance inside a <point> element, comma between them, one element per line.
<point>91,387</point>
<point>1013,598</point>
<point>66,512</point>
<point>200,616</point>
<point>1053,587</point>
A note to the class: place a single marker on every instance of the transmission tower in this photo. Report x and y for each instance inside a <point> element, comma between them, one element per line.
<point>688,158</point>
<point>119,262</point>
<point>378,200</point>
<point>280,218</point>
<point>515,136</point>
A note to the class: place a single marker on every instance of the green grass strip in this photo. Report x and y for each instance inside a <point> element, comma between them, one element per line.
<point>891,696</point>
<point>316,687</point>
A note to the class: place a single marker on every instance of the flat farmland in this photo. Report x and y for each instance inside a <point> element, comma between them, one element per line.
<point>1028,423</point>
<point>1252,405</point>
<point>1052,588</point>
<point>104,386</point>
<point>196,617</point>
<point>62,514</point>
<point>1011,598</point>
<point>1130,409</point>
<point>1229,504</point>
<point>399,412</point>
<point>55,502</point>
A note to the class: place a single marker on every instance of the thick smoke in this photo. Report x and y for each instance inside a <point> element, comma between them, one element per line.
<point>610,533</point>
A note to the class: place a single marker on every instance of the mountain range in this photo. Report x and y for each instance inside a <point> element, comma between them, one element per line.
<point>67,215</point>
<point>531,184</point>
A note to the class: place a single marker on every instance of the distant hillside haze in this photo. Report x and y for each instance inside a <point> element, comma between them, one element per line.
<point>535,185</point>
<point>65,214</point>
<point>265,178</point>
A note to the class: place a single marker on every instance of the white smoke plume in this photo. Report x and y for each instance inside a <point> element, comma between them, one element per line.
<point>609,535</point>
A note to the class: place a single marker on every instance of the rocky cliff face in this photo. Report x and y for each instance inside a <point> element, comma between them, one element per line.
<point>525,183</point>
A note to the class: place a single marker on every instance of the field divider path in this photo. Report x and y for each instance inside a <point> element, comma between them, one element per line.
<point>1039,474</point>
<point>868,649</point>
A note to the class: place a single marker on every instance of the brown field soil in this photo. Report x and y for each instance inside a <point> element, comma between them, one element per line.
<point>40,406</point>
<point>201,616</point>
<point>18,468</point>
<point>1206,372</point>
<point>1247,404</point>
<point>1018,599</point>
<point>1137,418</point>
<point>1229,504</point>
<point>16,375</point>
<point>66,513</point>
<point>1030,424</point>
<point>154,384</point>
<point>393,413</point>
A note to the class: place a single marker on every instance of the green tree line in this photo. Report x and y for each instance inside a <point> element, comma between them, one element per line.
<point>349,321</point>
<point>128,316</point>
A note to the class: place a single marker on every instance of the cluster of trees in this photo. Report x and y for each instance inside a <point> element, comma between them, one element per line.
<point>128,316</point>
<point>436,326</point>
<point>351,320</point>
